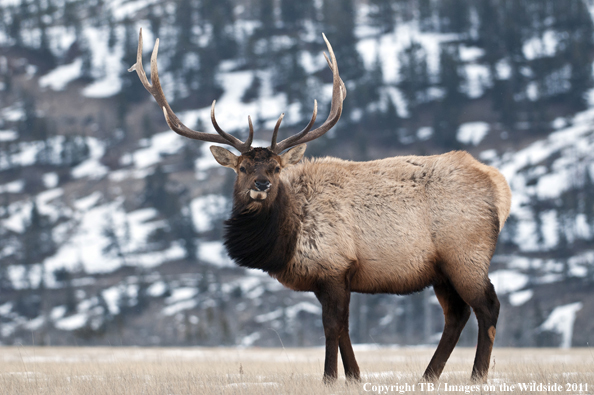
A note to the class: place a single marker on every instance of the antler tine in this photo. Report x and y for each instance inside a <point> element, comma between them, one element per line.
<point>288,142</point>
<point>250,138</point>
<point>234,141</point>
<point>275,133</point>
<point>338,96</point>
<point>154,88</point>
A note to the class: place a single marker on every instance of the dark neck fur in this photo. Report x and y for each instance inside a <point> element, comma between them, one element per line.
<point>264,239</point>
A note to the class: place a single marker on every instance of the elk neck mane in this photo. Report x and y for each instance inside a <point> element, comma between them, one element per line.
<point>262,239</point>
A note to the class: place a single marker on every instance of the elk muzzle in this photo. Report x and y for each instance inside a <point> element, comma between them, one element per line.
<point>260,190</point>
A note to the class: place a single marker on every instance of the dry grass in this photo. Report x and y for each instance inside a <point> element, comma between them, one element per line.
<point>89,371</point>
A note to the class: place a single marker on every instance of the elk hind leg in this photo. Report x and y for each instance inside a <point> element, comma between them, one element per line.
<point>486,309</point>
<point>351,368</point>
<point>480,295</point>
<point>456,313</point>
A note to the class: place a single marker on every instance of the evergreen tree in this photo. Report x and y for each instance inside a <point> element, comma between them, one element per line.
<point>156,19</point>
<point>132,90</point>
<point>116,243</point>
<point>451,73</point>
<point>266,16</point>
<point>253,91</point>
<point>383,14</point>
<point>156,194</point>
<point>447,116</point>
<point>290,76</point>
<point>414,75</point>
<point>339,26</point>
<point>219,14</point>
<point>64,277</point>
<point>295,13</point>
<point>183,229</point>
<point>179,218</point>
<point>454,15</point>
<point>37,242</point>
<point>74,151</point>
<point>32,126</point>
<point>369,86</point>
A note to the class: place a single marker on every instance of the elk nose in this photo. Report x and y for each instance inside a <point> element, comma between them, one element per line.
<point>262,185</point>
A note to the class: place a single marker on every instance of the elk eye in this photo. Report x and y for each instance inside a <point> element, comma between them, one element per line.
<point>242,169</point>
<point>277,169</point>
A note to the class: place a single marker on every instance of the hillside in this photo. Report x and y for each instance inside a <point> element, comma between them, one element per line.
<point>110,224</point>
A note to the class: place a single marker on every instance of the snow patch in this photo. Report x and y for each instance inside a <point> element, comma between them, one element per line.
<point>72,322</point>
<point>506,281</point>
<point>58,78</point>
<point>561,320</point>
<point>214,252</point>
<point>472,132</point>
<point>521,297</point>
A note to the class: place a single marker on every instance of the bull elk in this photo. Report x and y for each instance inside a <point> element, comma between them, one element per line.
<point>332,226</point>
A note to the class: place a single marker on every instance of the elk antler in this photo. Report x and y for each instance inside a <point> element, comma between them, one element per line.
<point>338,95</point>
<point>154,88</point>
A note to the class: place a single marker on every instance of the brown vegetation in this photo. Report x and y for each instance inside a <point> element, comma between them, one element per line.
<point>107,371</point>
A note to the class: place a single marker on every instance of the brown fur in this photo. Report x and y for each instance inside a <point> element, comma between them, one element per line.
<point>394,225</point>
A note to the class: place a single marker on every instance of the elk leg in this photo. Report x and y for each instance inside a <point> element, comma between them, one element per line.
<point>486,309</point>
<point>351,368</point>
<point>456,313</point>
<point>335,300</point>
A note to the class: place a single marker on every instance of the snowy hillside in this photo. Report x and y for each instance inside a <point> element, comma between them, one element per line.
<point>110,224</point>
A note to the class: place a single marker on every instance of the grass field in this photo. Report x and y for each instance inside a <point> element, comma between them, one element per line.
<point>181,371</point>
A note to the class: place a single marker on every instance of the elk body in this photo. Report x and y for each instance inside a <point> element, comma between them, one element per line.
<point>333,227</point>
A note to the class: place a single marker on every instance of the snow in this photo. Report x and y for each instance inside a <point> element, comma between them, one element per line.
<point>8,135</point>
<point>112,297</point>
<point>107,65</point>
<point>85,203</point>
<point>308,307</point>
<point>12,187</point>
<point>13,113</point>
<point>561,320</point>
<point>471,54</point>
<point>179,306</point>
<point>35,323</point>
<point>19,214</point>
<point>57,312</point>
<point>214,252</point>
<point>424,133</point>
<point>50,180</point>
<point>506,281</point>
<point>543,46</point>
<point>165,143</point>
<point>5,308</point>
<point>124,9</point>
<point>58,78</point>
<point>477,79</point>
<point>180,294</point>
<point>92,167</point>
<point>503,69</point>
<point>206,209</point>
<point>472,132</point>
<point>157,289</point>
<point>249,339</point>
<point>86,245</point>
<point>520,297</point>
<point>72,322</point>
<point>395,42</point>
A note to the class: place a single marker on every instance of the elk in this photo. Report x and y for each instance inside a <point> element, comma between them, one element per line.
<point>332,226</point>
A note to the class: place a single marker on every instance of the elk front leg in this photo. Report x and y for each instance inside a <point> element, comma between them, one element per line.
<point>335,300</point>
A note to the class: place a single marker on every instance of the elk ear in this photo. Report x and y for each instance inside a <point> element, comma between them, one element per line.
<point>293,155</point>
<point>224,157</point>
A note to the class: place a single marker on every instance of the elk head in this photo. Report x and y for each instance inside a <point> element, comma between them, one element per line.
<point>258,169</point>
